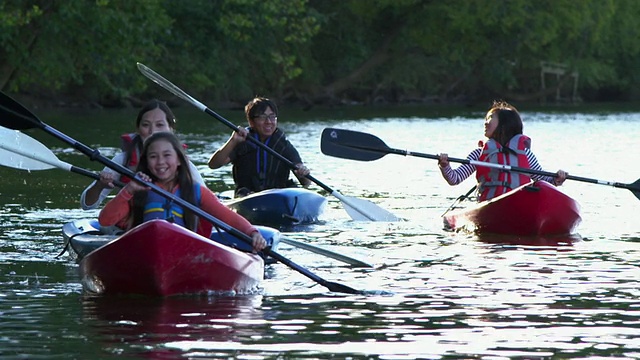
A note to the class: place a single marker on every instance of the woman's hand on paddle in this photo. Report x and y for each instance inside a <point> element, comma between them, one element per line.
<point>106,179</point>
<point>134,186</point>
<point>257,241</point>
<point>443,160</point>
<point>561,176</point>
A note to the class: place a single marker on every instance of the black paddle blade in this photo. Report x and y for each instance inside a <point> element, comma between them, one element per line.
<point>353,145</point>
<point>335,287</point>
<point>635,188</point>
<point>332,286</point>
<point>15,116</point>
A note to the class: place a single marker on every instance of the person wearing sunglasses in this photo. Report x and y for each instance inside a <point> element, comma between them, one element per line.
<point>254,169</point>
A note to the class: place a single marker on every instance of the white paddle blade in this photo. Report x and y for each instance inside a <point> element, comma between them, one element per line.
<point>20,151</point>
<point>364,210</point>
<point>169,86</point>
<point>330,254</point>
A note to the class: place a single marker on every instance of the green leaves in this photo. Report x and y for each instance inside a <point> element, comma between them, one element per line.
<point>327,51</point>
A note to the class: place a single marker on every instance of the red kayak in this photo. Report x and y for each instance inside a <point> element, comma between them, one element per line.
<point>161,258</point>
<point>534,209</point>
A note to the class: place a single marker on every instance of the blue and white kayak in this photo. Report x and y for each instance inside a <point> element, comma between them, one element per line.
<point>280,207</point>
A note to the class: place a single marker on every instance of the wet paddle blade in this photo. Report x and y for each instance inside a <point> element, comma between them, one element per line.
<point>359,212</point>
<point>325,252</point>
<point>23,152</point>
<point>20,151</point>
<point>6,104</point>
<point>14,115</point>
<point>353,145</point>
<point>635,188</point>
<point>169,86</point>
<point>335,287</point>
<point>332,286</point>
<point>364,210</point>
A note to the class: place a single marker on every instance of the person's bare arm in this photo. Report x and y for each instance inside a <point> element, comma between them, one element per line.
<point>222,155</point>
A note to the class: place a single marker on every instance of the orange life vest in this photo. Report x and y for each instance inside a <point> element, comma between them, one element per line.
<point>493,182</point>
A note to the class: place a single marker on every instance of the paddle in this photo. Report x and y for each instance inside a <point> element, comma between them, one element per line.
<point>20,151</point>
<point>460,199</point>
<point>14,153</point>
<point>325,252</point>
<point>358,209</point>
<point>16,116</point>
<point>355,145</point>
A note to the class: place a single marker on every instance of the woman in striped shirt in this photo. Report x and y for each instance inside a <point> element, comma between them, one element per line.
<point>506,146</point>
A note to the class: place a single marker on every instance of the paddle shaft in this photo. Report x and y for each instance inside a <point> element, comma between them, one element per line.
<point>291,165</point>
<point>96,156</point>
<point>272,152</point>
<point>512,168</point>
<point>460,199</point>
<point>18,115</point>
<point>160,80</point>
<point>354,145</point>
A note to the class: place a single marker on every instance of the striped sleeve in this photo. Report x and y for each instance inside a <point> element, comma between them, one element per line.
<point>533,163</point>
<point>461,173</point>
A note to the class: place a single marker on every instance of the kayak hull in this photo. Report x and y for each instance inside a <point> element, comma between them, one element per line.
<point>280,207</point>
<point>534,209</point>
<point>159,258</point>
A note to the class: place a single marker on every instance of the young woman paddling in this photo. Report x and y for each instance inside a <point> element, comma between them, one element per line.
<point>153,117</point>
<point>164,163</point>
<point>253,168</point>
<point>506,145</point>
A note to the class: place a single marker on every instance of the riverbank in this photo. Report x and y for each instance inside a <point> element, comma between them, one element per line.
<point>409,109</point>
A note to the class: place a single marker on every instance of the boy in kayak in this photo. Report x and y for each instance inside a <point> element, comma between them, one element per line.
<point>505,145</point>
<point>253,168</point>
<point>153,117</point>
<point>164,163</point>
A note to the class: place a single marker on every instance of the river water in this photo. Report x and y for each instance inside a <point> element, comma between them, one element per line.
<point>440,294</point>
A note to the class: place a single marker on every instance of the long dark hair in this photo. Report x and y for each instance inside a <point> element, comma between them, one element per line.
<point>509,121</point>
<point>150,105</point>
<point>185,181</point>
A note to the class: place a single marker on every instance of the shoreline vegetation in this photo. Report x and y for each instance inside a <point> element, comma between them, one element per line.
<point>312,54</point>
<point>65,104</point>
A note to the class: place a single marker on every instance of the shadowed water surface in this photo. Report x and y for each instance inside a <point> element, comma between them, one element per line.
<point>447,295</point>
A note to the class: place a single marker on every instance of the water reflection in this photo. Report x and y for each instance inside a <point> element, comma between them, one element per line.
<point>532,241</point>
<point>455,295</point>
<point>151,323</point>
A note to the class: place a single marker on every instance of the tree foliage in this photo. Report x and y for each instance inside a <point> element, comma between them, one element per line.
<point>318,51</point>
<point>85,48</point>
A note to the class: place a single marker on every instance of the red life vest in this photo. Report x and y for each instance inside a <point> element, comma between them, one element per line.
<point>493,182</point>
<point>131,152</point>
